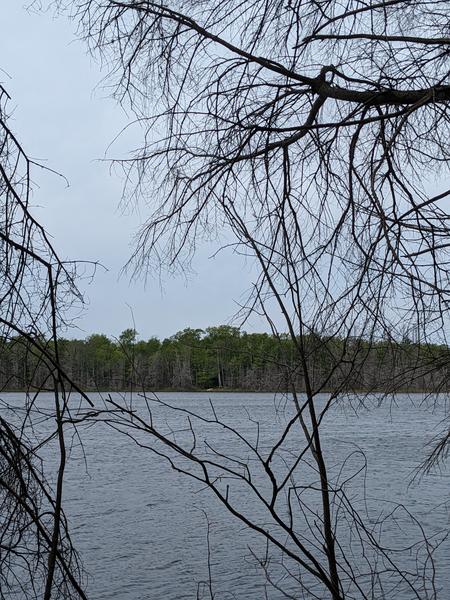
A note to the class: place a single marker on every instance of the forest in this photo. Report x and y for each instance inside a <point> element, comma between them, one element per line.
<point>311,138</point>
<point>225,357</point>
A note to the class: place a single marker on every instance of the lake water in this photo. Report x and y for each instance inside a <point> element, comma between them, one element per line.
<point>141,530</point>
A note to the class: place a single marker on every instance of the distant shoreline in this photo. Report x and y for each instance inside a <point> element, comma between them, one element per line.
<point>223,390</point>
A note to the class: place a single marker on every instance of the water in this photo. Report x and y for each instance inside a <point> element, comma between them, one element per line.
<point>141,529</point>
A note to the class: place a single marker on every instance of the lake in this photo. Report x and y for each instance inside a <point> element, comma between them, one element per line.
<point>141,528</point>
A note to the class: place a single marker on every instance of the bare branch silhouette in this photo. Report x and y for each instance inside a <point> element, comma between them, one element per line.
<point>315,134</point>
<point>37,559</point>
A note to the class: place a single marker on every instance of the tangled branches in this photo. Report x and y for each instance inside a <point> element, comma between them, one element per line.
<point>36,555</point>
<point>313,132</point>
<point>310,130</point>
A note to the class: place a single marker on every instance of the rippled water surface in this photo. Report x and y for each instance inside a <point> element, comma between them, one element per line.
<point>140,526</point>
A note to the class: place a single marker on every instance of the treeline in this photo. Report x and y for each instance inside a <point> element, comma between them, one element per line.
<point>226,357</point>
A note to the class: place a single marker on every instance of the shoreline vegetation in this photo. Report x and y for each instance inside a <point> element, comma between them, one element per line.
<point>227,359</point>
<point>218,390</point>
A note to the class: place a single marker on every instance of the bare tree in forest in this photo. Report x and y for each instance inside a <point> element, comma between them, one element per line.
<point>316,133</point>
<point>37,559</point>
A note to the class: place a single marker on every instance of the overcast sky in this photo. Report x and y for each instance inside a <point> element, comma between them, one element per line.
<point>64,119</point>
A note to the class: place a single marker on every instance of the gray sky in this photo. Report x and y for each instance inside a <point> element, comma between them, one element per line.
<point>64,119</point>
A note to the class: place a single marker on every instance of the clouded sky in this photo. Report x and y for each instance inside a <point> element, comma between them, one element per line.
<point>64,118</point>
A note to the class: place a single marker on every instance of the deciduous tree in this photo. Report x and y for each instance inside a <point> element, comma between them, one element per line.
<point>316,133</point>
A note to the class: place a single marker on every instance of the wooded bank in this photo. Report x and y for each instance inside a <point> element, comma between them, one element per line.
<point>225,357</point>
